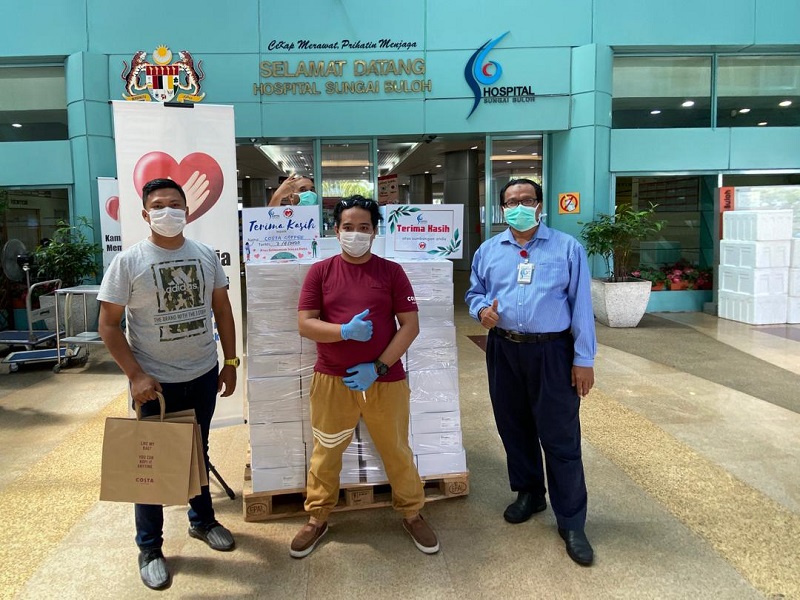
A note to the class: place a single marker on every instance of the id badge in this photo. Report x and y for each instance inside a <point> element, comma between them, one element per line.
<point>524,273</point>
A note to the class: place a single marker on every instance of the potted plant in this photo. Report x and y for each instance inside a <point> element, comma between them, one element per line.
<point>71,257</point>
<point>620,299</point>
<point>656,277</point>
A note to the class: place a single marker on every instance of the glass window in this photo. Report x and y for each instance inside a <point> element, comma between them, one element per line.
<point>33,104</point>
<point>284,160</point>
<point>758,91</point>
<point>655,92</point>
<point>346,171</point>
<point>513,159</point>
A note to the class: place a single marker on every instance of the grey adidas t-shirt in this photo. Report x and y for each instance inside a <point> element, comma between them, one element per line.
<point>167,295</point>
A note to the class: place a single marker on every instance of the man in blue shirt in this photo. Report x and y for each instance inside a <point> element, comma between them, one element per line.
<point>530,287</point>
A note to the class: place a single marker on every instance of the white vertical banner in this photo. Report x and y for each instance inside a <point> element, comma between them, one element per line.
<point>110,231</point>
<point>195,146</point>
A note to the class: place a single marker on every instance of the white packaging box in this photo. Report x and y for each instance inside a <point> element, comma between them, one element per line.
<point>375,471</point>
<point>794,282</point>
<point>272,365</point>
<point>756,282</point>
<point>435,390</point>
<point>436,422</point>
<point>433,293</point>
<point>271,434</point>
<point>793,310</point>
<point>423,359</point>
<point>265,320</point>
<point>795,260</point>
<point>448,442</point>
<point>274,400</point>
<point>736,253</point>
<point>435,337</point>
<point>351,471</point>
<point>755,310</point>
<point>441,464</point>
<point>436,316</point>
<point>278,455</point>
<point>282,478</point>
<point>757,225</point>
<point>427,270</point>
<point>308,347</point>
<point>271,275</point>
<point>278,342</point>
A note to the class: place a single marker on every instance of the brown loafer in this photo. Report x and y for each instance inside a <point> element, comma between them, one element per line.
<point>306,539</point>
<point>424,537</point>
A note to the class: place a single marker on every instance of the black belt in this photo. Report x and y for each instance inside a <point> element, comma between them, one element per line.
<point>531,338</point>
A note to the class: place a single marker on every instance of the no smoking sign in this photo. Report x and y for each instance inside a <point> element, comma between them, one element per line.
<point>569,203</point>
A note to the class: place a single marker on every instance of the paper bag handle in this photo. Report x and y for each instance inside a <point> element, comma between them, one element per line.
<point>160,397</point>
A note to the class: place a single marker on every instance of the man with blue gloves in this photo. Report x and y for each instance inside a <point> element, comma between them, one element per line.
<point>348,305</point>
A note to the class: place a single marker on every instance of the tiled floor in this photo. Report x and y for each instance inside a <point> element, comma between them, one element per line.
<point>693,486</point>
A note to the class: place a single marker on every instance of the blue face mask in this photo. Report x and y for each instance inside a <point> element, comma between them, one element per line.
<point>308,198</point>
<point>521,218</point>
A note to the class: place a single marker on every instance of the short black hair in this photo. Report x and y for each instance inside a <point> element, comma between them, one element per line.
<point>511,182</point>
<point>360,202</point>
<point>160,184</point>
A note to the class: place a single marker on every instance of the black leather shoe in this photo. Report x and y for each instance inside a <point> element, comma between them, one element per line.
<point>523,508</point>
<point>578,546</point>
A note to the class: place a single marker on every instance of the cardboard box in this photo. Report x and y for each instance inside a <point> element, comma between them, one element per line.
<point>281,478</point>
<point>270,343</point>
<point>436,422</point>
<point>430,465</point>
<point>448,442</point>
<point>273,365</point>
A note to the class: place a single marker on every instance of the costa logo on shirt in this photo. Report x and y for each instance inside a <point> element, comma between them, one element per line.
<point>412,299</point>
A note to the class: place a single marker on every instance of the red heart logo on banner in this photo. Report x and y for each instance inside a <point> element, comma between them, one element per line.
<point>199,170</point>
<point>112,207</point>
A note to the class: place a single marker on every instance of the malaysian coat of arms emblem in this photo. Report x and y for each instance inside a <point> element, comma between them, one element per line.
<point>163,79</point>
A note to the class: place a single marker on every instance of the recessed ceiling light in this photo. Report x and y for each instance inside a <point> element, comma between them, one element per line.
<point>655,112</point>
<point>247,176</point>
<point>438,166</point>
<point>534,154</point>
<point>508,162</point>
<point>762,123</point>
<point>17,125</point>
<point>510,150</point>
<point>744,111</point>
<point>474,148</point>
<point>299,151</point>
<point>785,103</point>
<point>427,172</point>
<point>688,104</point>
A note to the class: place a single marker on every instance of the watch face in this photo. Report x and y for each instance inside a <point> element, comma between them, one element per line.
<point>381,369</point>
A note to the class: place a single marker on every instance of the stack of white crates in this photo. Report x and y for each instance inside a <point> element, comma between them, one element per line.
<point>755,254</point>
<point>276,366</point>
<point>432,365</point>
<point>280,364</point>
<point>793,312</point>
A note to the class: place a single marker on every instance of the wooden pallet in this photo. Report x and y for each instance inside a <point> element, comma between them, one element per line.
<point>264,506</point>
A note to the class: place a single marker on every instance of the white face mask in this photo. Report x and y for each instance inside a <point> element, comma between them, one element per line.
<point>168,222</point>
<point>355,243</point>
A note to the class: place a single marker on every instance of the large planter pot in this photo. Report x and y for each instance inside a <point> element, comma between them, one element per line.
<point>620,304</point>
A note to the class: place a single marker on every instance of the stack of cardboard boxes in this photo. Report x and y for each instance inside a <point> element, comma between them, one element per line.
<point>280,365</point>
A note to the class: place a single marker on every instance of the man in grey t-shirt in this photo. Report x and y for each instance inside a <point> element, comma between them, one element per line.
<point>166,286</point>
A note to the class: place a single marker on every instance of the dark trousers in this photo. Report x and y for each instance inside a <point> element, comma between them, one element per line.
<point>201,395</point>
<point>534,402</point>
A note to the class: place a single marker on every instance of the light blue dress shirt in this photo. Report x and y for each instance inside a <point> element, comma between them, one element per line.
<point>558,297</point>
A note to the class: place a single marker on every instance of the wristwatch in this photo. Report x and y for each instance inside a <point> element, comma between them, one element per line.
<point>381,368</point>
<point>233,362</point>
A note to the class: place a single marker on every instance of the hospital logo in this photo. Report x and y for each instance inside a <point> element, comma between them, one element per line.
<point>287,212</point>
<point>481,75</point>
<point>162,79</point>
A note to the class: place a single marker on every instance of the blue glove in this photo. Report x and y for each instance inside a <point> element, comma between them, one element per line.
<point>362,377</point>
<point>358,329</point>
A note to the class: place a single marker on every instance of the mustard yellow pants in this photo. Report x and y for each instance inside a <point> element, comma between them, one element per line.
<point>335,411</point>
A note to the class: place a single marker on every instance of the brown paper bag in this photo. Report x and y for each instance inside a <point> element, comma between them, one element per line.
<point>198,464</point>
<point>147,462</point>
